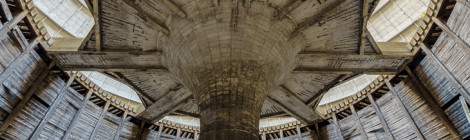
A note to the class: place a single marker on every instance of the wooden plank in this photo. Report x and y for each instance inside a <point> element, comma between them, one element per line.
<point>11,24</point>
<point>449,75</point>
<point>76,118</point>
<point>381,117</point>
<point>100,119</point>
<point>407,112</point>
<point>424,93</point>
<point>358,122</point>
<point>121,123</point>
<point>299,133</point>
<point>159,134</point>
<point>26,98</point>
<point>449,32</point>
<point>51,110</point>
<point>18,60</point>
<point>466,110</point>
<point>337,126</point>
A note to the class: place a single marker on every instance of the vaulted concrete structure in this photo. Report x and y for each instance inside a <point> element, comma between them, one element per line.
<point>234,69</point>
<point>230,55</point>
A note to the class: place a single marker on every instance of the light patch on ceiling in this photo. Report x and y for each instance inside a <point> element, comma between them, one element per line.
<point>347,88</point>
<point>113,86</point>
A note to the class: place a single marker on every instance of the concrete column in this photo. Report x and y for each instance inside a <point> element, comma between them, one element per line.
<point>263,136</point>
<point>281,135</point>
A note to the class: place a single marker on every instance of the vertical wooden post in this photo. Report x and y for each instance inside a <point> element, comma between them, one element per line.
<point>100,119</point>
<point>299,133</point>
<point>358,122</point>
<point>465,108</point>
<point>263,136</point>
<point>424,93</point>
<point>178,133</point>
<point>121,124</point>
<point>465,93</point>
<point>381,117</point>
<point>337,127</point>
<point>196,136</point>
<point>160,129</point>
<point>407,112</point>
<point>76,118</point>
<point>281,135</point>
<point>51,110</point>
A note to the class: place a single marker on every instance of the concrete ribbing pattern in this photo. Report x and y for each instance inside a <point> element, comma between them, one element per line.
<point>230,56</point>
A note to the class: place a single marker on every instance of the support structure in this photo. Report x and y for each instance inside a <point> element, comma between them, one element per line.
<point>121,124</point>
<point>447,72</point>
<point>424,93</point>
<point>379,113</point>
<point>76,118</point>
<point>407,112</point>
<point>358,122</point>
<point>337,126</point>
<point>100,119</point>
<point>52,109</point>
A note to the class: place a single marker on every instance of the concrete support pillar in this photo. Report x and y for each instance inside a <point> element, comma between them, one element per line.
<point>230,102</point>
<point>263,136</point>
<point>178,134</point>
<point>281,135</point>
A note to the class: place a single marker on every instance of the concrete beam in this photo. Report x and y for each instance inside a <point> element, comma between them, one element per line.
<point>293,105</point>
<point>108,60</point>
<point>166,104</point>
<point>349,63</point>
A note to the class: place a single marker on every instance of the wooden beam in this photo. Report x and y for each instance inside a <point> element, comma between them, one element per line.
<point>121,124</point>
<point>26,98</point>
<point>166,104</point>
<point>292,105</point>
<point>100,119</point>
<point>465,108</point>
<point>364,13</point>
<point>349,63</point>
<point>358,122</point>
<point>17,61</point>
<point>52,109</point>
<point>424,93</point>
<point>406,111</point>
<point>449,32</point>
<point>76,118</point>
<point>159,134</point>
<point>448,74</point>
<point>337,126</point>
<point>381,116</point>
<point>9,25</point>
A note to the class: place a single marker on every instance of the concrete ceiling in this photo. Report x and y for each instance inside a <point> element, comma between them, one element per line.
<point>131,37</point>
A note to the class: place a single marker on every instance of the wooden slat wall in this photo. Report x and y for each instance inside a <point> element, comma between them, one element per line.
<point>430,126</point>
<point>400,126</point>
<point>14,84</point>
<point>455,57</point>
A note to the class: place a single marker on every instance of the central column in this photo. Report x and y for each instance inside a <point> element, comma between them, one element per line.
<point>230,56</point>
<point>230,101</point>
